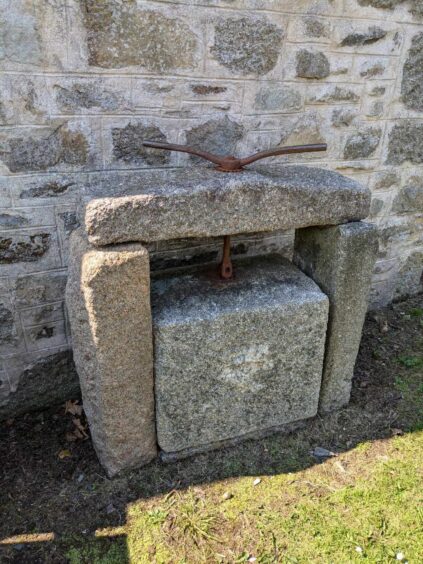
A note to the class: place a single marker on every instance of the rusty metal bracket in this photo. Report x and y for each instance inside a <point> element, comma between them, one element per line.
<point>225,268</point>
<point>230,163</point>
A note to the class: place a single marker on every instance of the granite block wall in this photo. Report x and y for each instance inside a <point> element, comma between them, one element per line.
<point>83,82</point>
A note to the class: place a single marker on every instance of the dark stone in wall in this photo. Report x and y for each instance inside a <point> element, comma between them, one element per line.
<point>23,248</point>
<point>216,136</point>
<point>11,220</point>
<point>386,180</point>
<point>204,89</point>
<point>59,146</point>
<point>410,277</point>
<point>48,190</point>
<point>46,382</point>
<point>363,144</point>
<point>373,34</point>
<point>342,117</point>
<point>315,27</point>
<point>247,45</point>
<point>70,221</point>
<point>271,98</point>
<point>412,77</point>
<point>86,96</point>
<point>406,143</point>
<point>385,4</point>
<point>128,144</point>
<point>410,198</point>
<point>312,64</point>
<point>34,289</point>
<point>416,6</point>
<point>121,35</point>
<point>7,325</point>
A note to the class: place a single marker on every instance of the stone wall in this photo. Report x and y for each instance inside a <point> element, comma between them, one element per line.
<point>83,82</point>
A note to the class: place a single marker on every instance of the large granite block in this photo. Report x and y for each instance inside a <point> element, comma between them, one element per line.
<point>202,202</point>
<point>108,299</point>
<point>341,260</point>
<point>236,358</point>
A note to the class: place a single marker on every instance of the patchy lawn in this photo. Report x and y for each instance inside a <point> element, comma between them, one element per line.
<point>272,500</point>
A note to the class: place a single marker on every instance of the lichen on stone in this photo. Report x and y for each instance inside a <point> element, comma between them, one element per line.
<point>312,64</point>
<point>122,34</point>
<point>412,77</point>
<point>128,144</point>
<point>247,45</point>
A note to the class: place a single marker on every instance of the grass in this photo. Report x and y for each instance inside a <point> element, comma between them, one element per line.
<point>368,500</point>
<point>363,505</point>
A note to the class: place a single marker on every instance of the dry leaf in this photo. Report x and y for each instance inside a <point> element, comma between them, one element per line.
<point>64,454</point>
<point>73,407</point>
<point>80,429</point>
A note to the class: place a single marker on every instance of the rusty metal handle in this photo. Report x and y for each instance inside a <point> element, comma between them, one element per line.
<point>287,150</point>
<point>184,149</point>
<point>232,164</point>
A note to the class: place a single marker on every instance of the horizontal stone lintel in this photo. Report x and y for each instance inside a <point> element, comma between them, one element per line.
<point>202,202</point>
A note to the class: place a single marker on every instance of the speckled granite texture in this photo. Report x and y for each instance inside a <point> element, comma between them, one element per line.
<point>201,202</point>
<point>236,358</point>
<point>108,299</point>
<point>340,260</point>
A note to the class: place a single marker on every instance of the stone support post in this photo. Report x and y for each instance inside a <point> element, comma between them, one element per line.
<point>108,299</point>
<point>340,260</point>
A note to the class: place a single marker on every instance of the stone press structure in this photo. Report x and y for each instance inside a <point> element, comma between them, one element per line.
<point>84,82</point>
<point>189,360</point>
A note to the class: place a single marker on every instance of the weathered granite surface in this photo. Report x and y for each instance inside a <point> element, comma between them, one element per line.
<point>207,203</point>
<point>84,82</point>
<point>108,299</point>
<point>341,260</point>
<point>233,358</point>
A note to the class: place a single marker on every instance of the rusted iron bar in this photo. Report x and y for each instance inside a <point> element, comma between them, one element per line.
<point>230,163</point>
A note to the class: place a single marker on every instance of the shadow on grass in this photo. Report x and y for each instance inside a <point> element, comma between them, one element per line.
<point>72,498</point>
